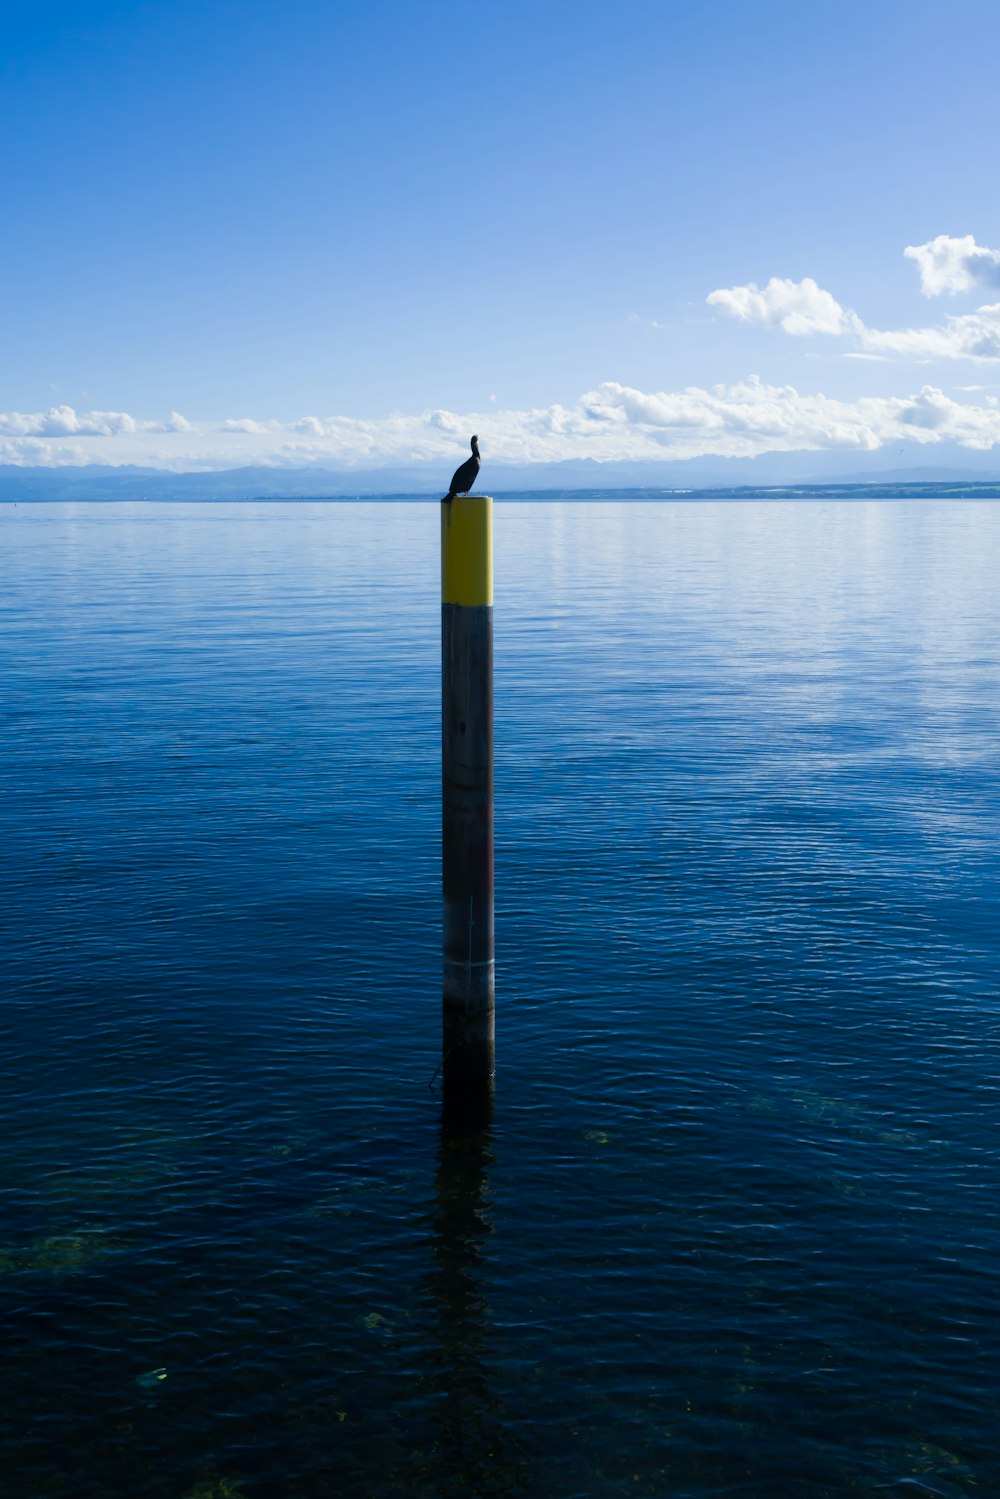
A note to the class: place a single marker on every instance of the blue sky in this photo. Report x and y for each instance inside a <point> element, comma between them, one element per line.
<point>331,233</point>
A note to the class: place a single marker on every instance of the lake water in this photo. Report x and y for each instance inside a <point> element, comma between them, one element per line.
<point>734,1231</point>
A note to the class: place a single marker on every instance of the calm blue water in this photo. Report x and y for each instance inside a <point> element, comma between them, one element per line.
<point>735,1230</point>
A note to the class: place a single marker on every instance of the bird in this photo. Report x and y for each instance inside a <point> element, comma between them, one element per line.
<point>464,476</point>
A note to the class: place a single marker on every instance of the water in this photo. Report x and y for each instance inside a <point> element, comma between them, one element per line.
<point>735,1228</point>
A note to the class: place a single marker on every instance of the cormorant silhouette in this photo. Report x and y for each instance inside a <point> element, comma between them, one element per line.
<point>464,476</point>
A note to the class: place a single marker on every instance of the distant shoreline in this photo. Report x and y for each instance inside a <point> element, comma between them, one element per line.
<point>916,491</point>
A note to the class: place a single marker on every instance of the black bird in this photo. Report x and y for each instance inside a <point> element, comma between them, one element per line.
<point>465,475</point>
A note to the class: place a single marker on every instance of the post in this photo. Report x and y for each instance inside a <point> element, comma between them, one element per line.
<point>467,794</point>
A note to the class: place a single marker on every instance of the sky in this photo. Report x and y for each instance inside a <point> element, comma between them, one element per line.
<point>330,234</point>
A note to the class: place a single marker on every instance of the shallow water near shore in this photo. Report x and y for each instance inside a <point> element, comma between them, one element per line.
<point>733,1230</point>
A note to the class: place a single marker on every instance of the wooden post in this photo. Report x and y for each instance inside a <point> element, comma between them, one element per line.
<point>467,794</point>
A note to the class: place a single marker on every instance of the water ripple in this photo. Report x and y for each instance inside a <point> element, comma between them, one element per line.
<point>734,1228</point>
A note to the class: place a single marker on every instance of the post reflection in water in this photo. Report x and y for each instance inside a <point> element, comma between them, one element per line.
<point>476,1448</point>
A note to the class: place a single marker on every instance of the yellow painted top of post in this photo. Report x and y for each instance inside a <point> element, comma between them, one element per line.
<point>467,550</point>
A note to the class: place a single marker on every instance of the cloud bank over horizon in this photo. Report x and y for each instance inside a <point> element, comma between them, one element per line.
<point>612,423</point>
<point>946,264</point>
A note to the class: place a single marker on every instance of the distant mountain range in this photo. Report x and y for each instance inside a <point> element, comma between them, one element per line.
<point>960,467</point>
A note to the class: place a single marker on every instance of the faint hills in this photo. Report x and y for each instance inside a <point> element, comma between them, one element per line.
<point>957,467</point>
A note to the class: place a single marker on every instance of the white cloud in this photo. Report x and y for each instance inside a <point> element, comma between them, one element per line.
<point>752,417</point>
<point>802,307</point>
<point>796,307</point>
<point>971,335</point>
<point>32,451</point>
<point>243,424</point>
<point>949,264</point>
<point>614,421</point>
<point>64,421</point>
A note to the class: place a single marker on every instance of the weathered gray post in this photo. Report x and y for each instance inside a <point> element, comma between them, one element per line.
<point>467,794</point>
